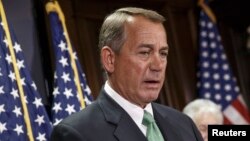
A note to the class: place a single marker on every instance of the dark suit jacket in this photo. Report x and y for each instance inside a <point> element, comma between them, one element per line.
<point>105,120</point>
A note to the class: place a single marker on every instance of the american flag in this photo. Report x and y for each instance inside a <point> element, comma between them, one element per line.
<point>71,92</point>
<point>22,114</point>
<point>215,77</point>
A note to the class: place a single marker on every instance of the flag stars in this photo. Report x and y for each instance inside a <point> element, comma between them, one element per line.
<point>234,79</point>
<point>205,64</point>
<point>55,76</point>
<point>206,74</point>
<point>65,77</point>
<point>14,93</point>
<point>8,58</point>
<point>217,86</point>
<point>2,109</point>
<point>78,96</point>
<point>3,127</point>
<point>207,95</point>
<point>216,79</point>
<point>40,120</point>
<point>38,102</point>
<point>11,102</point>
<point>57,107</point>
<point>205,54</point>
<point>23,81</point>
<point>213,45</point>
<point>1,90</point>
<point>216,76</point>
<point>17,111</point>
<point>204,44</point>
<point>198,84</point>
<point>55,92</point>
<point>210,25</point>
<point>218,38</point>
<point>87,90</point>
<point>75,56</point>
<point>57,121</point>
<point>221,48</point>
<point>88,102</point>
<point>68,93</point>
<point>20,64</point>
<point>223,57</point>
<point>62,46</point>
<point>34,85</point>
<point>41,137</point>
<point>65,34</point>
<point>6,42</point>
<point>215,66</point>
<point>203,33</point>
<point>63,61</point>
<point>18,129</point>
<point>211,35</point>
<point>17,47</point>
<point>228,97</point>
<point>12,76</point>
<point>236,89</point>
<point>226,77</point>
<point>225,67</point>
<point>25,99</point>
<point>70,109</point>
<point>206,85</point>
<point>66,98</point>
<point>214,55</point>
<point>227,87</point>
<point>83,75</point>
<point>1,71</point>
<point>203,23</point>
<point>217,96</point>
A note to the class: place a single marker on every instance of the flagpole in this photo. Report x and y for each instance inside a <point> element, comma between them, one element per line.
<point>20,88</point>
<point>50,7</point>
<point>207,10</point>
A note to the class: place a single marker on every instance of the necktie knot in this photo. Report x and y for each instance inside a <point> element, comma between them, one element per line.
<point>147,118</point>
<point>153,132</point>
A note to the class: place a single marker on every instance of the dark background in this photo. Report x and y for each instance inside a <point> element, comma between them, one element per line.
<point>84,17</point>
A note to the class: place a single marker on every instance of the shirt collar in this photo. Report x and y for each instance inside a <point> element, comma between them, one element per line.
<point>135,112</point>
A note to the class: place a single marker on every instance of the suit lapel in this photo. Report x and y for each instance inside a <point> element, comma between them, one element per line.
<point>126,129</point>
<point>166,127</point>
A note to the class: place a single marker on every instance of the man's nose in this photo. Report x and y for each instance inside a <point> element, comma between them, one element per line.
<point>157,62</point>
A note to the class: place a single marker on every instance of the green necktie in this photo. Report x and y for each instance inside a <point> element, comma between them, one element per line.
<point>153,132</point>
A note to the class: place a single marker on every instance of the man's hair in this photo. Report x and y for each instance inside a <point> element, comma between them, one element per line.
<point>112,31</point>
<point>200,107</point>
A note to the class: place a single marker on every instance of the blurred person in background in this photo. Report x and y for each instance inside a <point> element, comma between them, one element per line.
<point>204,112</point>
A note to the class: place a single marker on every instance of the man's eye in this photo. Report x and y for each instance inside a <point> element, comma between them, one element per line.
<point>164,54</point>
<point>144,53</point>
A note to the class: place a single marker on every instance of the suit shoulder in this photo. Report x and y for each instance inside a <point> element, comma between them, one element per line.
<point>85,115</point>
<point>166,111</point>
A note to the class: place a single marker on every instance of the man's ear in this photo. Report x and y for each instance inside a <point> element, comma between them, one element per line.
<point>108,58</point>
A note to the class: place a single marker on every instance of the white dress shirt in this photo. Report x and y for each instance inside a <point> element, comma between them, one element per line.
<point>134,111</point>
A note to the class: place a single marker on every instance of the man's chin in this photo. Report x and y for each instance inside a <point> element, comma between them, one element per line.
<point>152,97</point>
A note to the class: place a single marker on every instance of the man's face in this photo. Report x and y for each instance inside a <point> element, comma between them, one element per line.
<point>139,68</point>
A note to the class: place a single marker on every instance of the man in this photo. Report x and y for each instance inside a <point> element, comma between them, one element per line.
<point>204,112</point>
<point>134,54</point>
